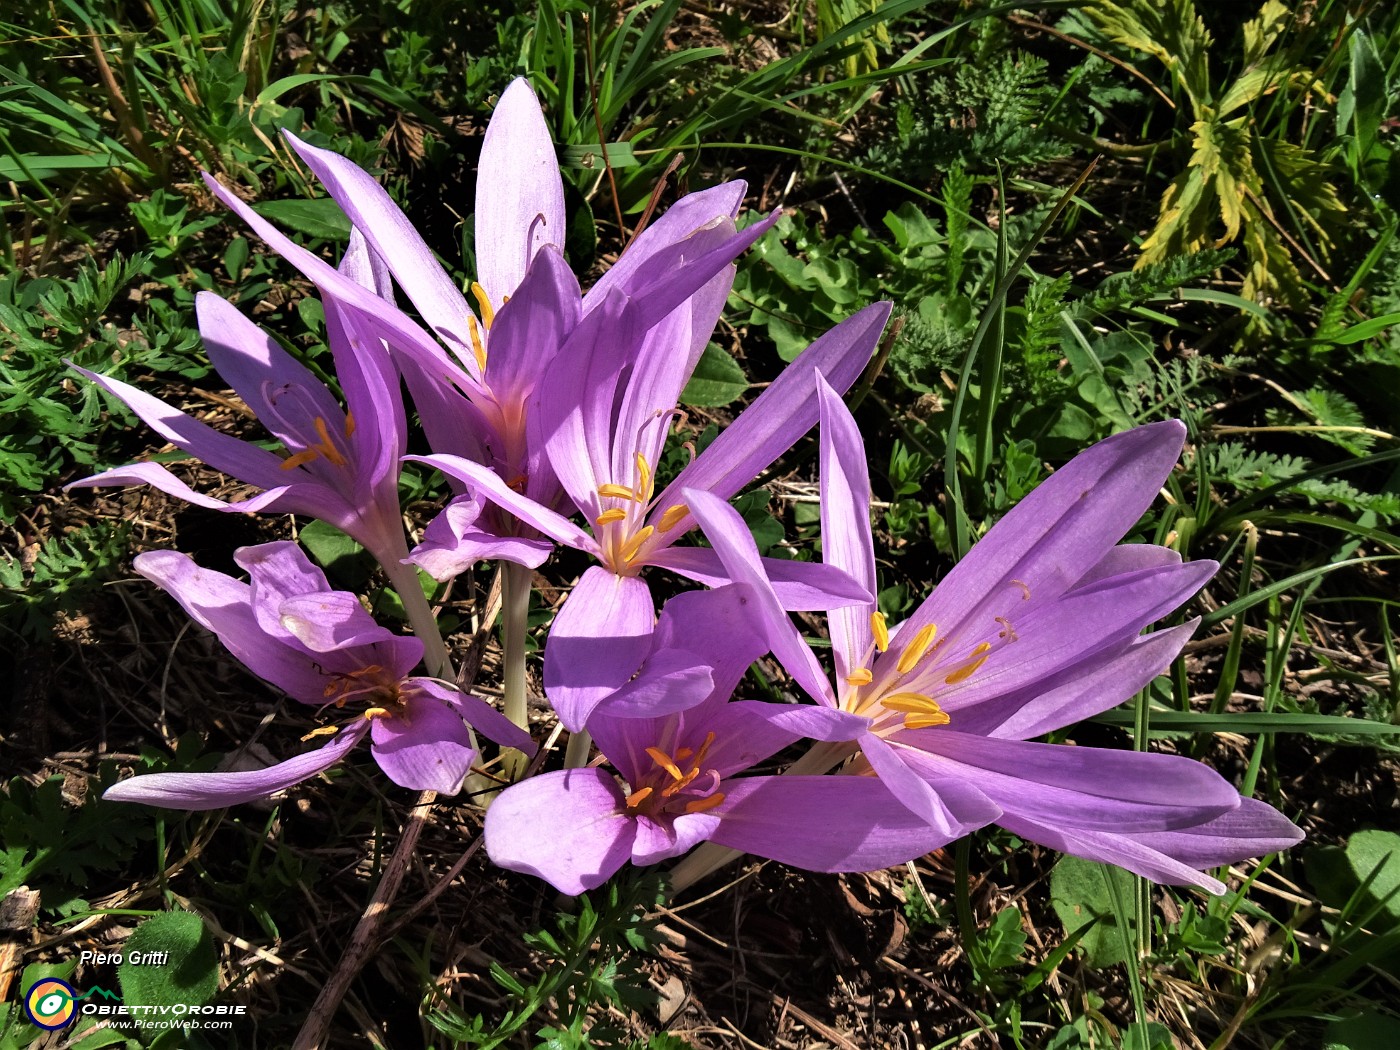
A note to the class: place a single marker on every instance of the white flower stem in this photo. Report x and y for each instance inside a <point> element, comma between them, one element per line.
<point>404,579</point>
<point>577,750</point>
<point>515,613</point>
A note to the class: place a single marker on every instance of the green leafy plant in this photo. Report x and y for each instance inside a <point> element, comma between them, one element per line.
<point>595,958</point>
<point>1240,183</point>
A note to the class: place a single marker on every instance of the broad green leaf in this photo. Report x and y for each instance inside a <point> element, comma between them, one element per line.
<point>717,380</point>
<point>321,218</point>
<point>590,156</point>
<point>177,962</point>
<point>1368,1030</point>
<point>1083,892</point>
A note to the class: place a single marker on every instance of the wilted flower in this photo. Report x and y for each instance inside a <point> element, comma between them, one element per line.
<point>321,648</point>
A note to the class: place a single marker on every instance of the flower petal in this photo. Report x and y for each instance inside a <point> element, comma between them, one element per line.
<point>335,624</point>
<point>1252,830</point>
<point>158,477</point>
<point>519,195</point>
<point>681,272</point>
<point>1126,558</point>
<point>224,453</point>
<point>395,240</point>
<point>799,586</point>
<point>277,571</point>
<point>659,840</point>
<point>224,606</point>
<point>1095,789</point>
<point>668,681</point>
<point>452,543</point>
<point>402,334</point>
<point>1059,633</point>
<point>569,828</point>
<point>573,414</point>
<point>198,791</point>
<point>1059,532</point>
<point>426,747</point>
<point>732,638</point>
<point>738,553</point>
<point>822,823</point>
<point>529,329</point>
<point>1123,850</point>
<point>484,482</point>
<point>845,515</point>
<point>634,269</point>
<point>949,804</point>
<point>600,636</point>
<point>478,714</point>
<point>785,411</point>
<point>280,390</point>
<point>1082,690</point>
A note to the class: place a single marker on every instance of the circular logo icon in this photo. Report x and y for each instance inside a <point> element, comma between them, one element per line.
<point>49,1003</point>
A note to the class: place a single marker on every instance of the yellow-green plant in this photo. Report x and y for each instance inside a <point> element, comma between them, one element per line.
<point>1241,183</point>
<point>834,15</point>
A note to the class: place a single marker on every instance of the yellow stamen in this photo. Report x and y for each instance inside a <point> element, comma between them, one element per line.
<point>880,631</point>
<point>488,315</point>
<point>704,750</point>
<point>378,712</point>
<point>632,546</point>
<point>478,347</point>
<point>860,676</point>
<point>610,516</point>
<point>327,448</point>
<point>321,731</point>
<point>926,721</point>
<point>700,805</point>
<point>967,670</point>
<point>664,761</point>
<point>912,703</point>
<point>672,517</point>
<point>306,455</point>
<point>611,491</point>
<point>917,648</point>
<point>680,785</point>
<point>643,492</point>
<point>349,424</point>
<point>638,797</point>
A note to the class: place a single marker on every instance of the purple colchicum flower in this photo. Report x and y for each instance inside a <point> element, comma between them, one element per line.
<point>321,648</point>
<point>1036,629</point>
<point>342,464</point>
<point>606,456</point>
<point>477,397</point>
<point>678,746</point>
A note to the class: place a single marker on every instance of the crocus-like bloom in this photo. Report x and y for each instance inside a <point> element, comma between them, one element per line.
<point>605,442</point>
<point>678,750</point>
<point>342,464</point>
<point>321,648</point>
<point>477,397</point>
<point>1036,629</point>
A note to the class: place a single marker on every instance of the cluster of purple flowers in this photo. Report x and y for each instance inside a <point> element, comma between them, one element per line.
<point>545,405</point>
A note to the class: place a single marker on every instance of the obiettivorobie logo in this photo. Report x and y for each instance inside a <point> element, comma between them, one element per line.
<point>52,1004</point>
